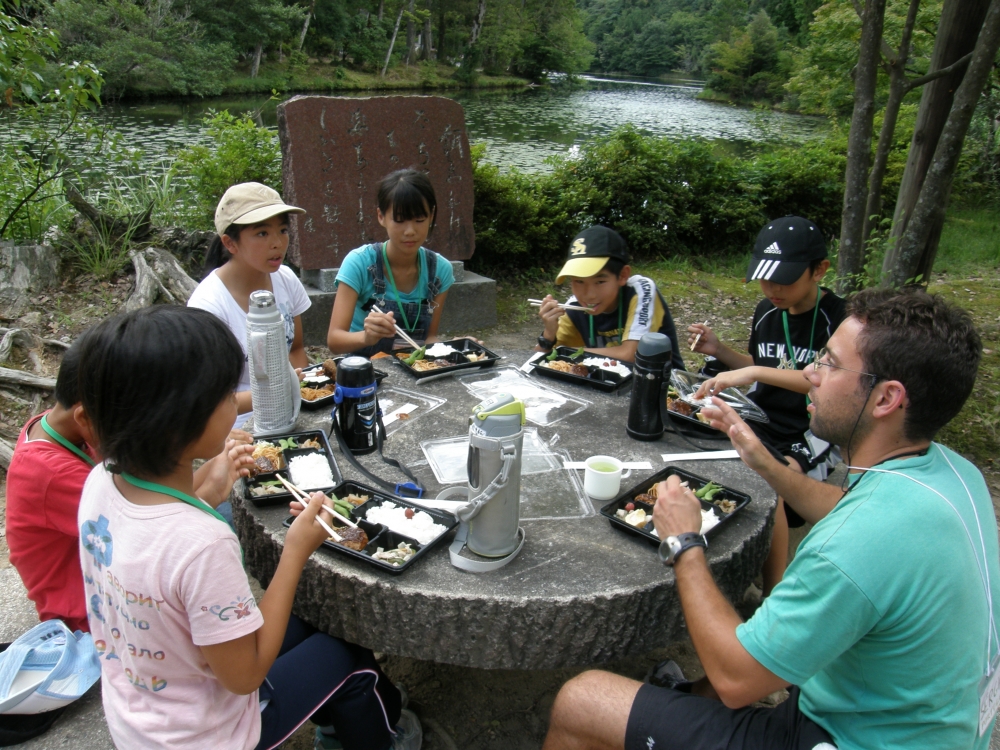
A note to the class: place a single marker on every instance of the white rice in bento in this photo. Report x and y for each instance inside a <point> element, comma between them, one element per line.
<point>311,471</point>
<point>421,527</point>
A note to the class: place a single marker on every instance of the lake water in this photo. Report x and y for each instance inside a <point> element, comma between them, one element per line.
<point>520,128</point>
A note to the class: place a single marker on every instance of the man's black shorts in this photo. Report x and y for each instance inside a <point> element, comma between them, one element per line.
<point>665,719</point>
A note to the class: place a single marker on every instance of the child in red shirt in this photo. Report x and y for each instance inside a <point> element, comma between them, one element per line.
<point>52,459</point>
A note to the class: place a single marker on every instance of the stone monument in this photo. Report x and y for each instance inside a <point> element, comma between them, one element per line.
<point>334,152</point>
<point>336,149</point>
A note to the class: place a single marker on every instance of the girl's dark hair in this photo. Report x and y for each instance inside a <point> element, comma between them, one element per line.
<point>68,379</point>
<point>150,380</point>
<point>410,195</point>
<point>217,256</point>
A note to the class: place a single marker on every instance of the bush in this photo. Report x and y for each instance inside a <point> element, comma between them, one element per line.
<point>666,198</point>
<point>243,152</point>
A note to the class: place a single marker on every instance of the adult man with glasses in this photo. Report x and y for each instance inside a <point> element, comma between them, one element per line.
<point>885,625</point>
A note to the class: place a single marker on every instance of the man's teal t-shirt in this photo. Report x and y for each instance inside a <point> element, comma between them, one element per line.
<point>882,617</point>
<point>354,272</point>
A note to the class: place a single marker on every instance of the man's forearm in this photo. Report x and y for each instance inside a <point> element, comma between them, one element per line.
<point>809,498</point>
<point>736,676</point>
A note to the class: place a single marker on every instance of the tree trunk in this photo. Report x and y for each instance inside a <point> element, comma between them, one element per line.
<point>442,24</point>
<point>411,36</point>
<point>427,53</point>
<point>859,144</point>
<point>956,37</point>
<point>918,245</point>
<point>392,42</point>
<point>305,24</point>
<point>256,59</point>
<point>381,10</point>
<point>477,23</point>
<point>898,88</point>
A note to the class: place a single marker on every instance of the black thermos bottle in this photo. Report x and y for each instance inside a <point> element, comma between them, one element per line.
<point>356,404</point>
<point>651,376</point>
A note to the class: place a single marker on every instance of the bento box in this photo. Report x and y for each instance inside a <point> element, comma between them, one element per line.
<point>275,455</point>
<point>684,409</point>
<point>323,377</point>
<point>723,505</point>
<point>585,368</point>
<point>466,355</point>
<point>384,519</point>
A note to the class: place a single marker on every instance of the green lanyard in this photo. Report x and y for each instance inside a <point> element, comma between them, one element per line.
<point>812,333</point>
<point>64,442</point>
<point>395,291</point>
<point>163,489</point>
<point>593,340</point>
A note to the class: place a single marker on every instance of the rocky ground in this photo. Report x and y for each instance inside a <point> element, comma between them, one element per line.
<point>468,708</point>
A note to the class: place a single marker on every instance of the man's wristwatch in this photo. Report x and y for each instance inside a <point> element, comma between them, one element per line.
<point>545,343</point>
<point>673,547</point>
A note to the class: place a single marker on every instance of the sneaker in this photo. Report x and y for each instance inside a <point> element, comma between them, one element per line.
<point>668,674</point>
<point>409,733</point>
<point>324,741</point>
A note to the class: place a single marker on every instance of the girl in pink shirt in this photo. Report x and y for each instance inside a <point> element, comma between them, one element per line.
<point>189,659</point>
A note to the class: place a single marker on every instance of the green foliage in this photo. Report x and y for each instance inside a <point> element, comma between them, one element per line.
<point>750,67</point>
<point>668,199</point>
<point>368,41</point>
<point>243,152</point>
<point>142,44</point>
<point>42,139</point>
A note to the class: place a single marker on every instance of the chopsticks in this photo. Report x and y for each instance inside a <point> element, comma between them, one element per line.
<point>399,330</point>
<point>538,303</point>
<point>697,338</point>
<point>303,499</point>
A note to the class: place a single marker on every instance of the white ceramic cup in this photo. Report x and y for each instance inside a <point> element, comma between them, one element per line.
<point>603,477</point>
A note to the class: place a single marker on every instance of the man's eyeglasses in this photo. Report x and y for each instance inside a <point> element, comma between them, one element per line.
<point>824,353</point>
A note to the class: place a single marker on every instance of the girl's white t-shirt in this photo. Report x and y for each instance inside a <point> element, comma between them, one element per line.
<point>160,581</point>
<point>289,294</point>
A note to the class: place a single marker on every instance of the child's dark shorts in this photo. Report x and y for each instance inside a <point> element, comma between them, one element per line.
<point>665,719</point>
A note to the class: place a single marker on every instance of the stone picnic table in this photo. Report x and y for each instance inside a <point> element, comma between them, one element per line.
<point>580,592</point>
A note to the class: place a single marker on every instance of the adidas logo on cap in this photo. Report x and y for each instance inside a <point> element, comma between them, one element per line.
<point>773,249</point>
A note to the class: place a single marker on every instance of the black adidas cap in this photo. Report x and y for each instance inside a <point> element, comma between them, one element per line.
<point>784,250</point>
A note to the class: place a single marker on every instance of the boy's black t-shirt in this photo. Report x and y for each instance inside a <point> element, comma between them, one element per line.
<point>787,409</point>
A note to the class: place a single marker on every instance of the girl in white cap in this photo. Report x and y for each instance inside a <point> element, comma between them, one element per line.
<point>247,255</point>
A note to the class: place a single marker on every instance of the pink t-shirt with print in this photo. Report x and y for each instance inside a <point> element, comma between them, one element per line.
<point>160,581</point>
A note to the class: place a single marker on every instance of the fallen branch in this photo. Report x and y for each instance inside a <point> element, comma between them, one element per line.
<point>6,454</point>
<point>135,227</point>
<point>146,285</point>
<point>55,343</point>
<point>15,337</point>
<point>18,377</point>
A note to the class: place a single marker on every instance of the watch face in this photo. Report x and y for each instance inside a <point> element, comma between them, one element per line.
<point>669,548</point>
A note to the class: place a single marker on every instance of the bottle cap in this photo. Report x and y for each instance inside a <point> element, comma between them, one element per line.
<point>355,372</point>
<point>653,344</point>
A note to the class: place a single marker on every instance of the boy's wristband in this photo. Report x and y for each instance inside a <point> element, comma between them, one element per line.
<point>545,343</point>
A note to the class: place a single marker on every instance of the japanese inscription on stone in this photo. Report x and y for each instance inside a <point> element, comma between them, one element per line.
<point>336,149</point>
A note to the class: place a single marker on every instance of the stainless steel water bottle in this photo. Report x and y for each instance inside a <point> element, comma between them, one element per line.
<point>357,404</point>
<point>496,437</point>
<point>651,376</point>
<point>274,386</point>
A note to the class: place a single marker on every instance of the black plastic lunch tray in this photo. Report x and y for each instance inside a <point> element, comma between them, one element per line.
<point>383,536</point>
<point>694,482</point>
<point>602,380</point>
<point>272,476</point>
<point>327,401</point>
<point>463,346</point>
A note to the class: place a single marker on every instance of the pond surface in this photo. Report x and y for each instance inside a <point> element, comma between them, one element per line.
<point>520,128</point>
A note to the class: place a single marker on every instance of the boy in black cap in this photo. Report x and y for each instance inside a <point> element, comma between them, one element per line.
<point>793,322</point>
<point>623,307</point>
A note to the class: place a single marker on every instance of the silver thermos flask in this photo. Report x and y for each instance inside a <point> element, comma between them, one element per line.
<point>274,385</point>
<point>495,421</point>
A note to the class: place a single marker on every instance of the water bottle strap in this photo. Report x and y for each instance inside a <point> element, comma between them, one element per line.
<point>418,488</point>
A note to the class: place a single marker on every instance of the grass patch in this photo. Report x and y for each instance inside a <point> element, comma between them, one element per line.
<point>969,242</point>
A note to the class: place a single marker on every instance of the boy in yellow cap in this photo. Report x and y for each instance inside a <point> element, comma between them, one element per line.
<point>622,306</point>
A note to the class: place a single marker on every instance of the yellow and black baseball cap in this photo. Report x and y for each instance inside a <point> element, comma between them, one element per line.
<point>591,250</point>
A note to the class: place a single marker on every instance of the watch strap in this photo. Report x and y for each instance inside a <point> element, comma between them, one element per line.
<point>687,541</point>
<point>545,343</point>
